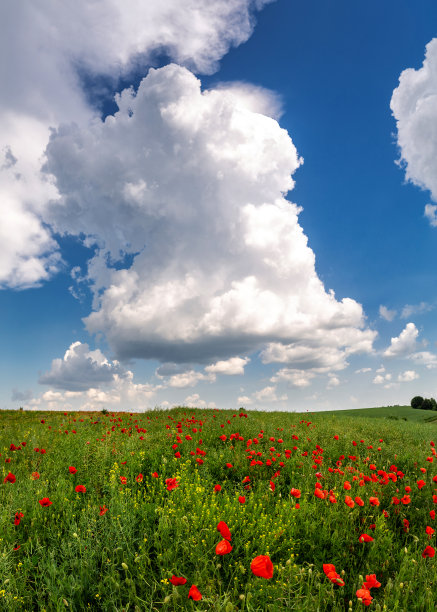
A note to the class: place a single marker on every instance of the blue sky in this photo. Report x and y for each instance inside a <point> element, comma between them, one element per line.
<point>150,253</point>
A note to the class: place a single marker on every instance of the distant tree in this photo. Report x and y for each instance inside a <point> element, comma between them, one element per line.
<point>417,402</point>
<point>434,403</point>
<point>426,404</point>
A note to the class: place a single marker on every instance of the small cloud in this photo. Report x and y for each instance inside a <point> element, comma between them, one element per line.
<point>405,343</point>
<point>407,376</point>
<point>410,309</point>
<point>81,369</point>
<point>231,367</point>
<point>425,358</point>
<point>194,401</point>
<point>379,380</point>
<point>387,314</point>
<point>297,378</point>
<point>333,382</point>
<point>363,370</point>
<point>189,379</point>
<point>268,394</point>
<point>243,400</point>
<point>431,214</point>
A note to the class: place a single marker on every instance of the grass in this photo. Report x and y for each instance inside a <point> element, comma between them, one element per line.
<point>75,555</point>
<point>405,413</point>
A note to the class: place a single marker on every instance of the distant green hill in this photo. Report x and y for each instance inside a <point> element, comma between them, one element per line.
<point>404,413</point>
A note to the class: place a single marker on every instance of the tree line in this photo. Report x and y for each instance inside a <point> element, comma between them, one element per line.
<point>423,403</point>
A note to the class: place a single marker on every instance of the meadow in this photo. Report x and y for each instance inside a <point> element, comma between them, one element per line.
<point>218,510</point>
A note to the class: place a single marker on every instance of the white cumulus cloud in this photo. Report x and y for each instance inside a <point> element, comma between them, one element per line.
<point>414,105</point>
<point>81,369</point>
<point>50,49</point>
<point>407,376</point>
<point>194,184</point>
<point>387,314</point>
<point>404,344</point>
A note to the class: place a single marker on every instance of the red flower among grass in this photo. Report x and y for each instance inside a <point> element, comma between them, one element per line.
<point>171,483</point>
<point>371,582</point>
<point>428,552</point>
<point>45,501</point>
<point>223,529</point>
<point>332,575</point>
<point>18,517</point>
<point>10,478</point>
<point>223,548</point>
<point>178,580</point>
<point>364,537</point>
<point>194,593</point>
<point>262,566</point>
<point>80,489</point>
<point>365,596</point>
<point>72,469</point>
<point>103,510</point>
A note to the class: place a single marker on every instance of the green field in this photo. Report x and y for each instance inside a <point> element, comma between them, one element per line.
<point>135,514</point>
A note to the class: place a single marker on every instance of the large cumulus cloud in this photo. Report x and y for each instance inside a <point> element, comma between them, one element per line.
<point>49,49</point>
<point>414,105</point>
<point>193,184</point>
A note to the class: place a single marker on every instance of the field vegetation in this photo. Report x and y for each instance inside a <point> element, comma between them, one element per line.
<point>218,510</point>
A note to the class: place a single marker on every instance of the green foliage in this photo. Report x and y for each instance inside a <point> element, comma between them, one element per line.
<point>72,556</point>
<point>417,401</point>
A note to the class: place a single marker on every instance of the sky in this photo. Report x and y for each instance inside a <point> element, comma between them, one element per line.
<point>218,204</point>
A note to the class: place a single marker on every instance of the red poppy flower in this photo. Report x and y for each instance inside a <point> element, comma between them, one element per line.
<point>34,475</point>
<point>421,483</point>
<point>72,469</point>
<point>349,501</point>
<point>155,474</point>
<point>242,499</point>
<point>332,575</point>
<point>10,478</point>
<point>406,499</point>
<point>177,455</point>
<point>223,548</point>
<point>295,493</point>
<point>18,517</point>
<point>359,501</point>
<point>217,488</point>
<point>229,465</point>
<point>429,531</point>
<point>194,593</point>
<point>139,478</point>
<point>371,582</point>
<point>223,529</point>
<point>432,514</point>
<point>406,525</point>
<point>171,483</point>
<point>45,501</point>
<point>103,510</point>
<point>373,501</point>
<point>365,596</point>
<point>428,552</point>
<point>364,537</point>
<point>80,489</point>
<point>262,566</point>
<point>347,485</point>
<point>178,580</point>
